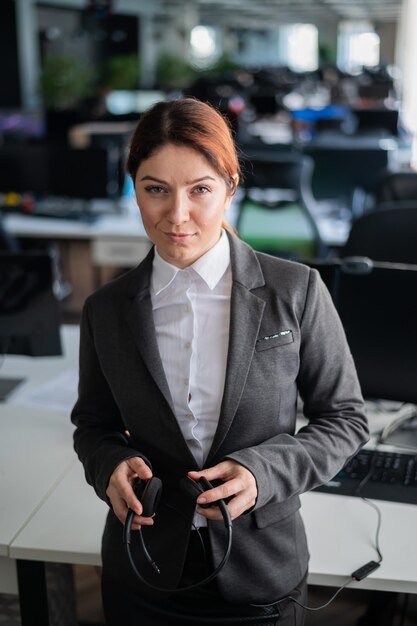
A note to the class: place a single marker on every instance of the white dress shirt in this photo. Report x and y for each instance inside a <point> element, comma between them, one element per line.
<point>191,309</point>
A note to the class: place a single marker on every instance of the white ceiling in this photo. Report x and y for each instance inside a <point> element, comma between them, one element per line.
<point>258,13</point>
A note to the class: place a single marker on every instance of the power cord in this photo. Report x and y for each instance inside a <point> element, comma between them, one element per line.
<point>359,574</point>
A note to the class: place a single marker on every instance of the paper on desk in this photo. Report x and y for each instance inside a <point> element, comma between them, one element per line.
<point>58,394</point>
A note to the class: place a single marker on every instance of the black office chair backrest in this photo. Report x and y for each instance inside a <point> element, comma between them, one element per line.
<point>388,234</point>
<point>341,169</point>
<point>396,187</point>
<point>276,170</point>
<point>289,175</point>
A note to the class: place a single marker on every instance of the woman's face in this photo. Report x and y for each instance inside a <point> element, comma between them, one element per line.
<point>182,201</point>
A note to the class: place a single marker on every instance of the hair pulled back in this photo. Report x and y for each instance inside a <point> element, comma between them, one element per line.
<point>186,122</point>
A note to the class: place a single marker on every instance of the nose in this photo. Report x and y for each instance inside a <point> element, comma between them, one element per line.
<point>179,209</point>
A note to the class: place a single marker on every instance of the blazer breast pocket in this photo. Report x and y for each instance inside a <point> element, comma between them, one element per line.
<point>275,340</point>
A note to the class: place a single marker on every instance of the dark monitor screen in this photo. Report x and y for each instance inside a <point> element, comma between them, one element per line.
<point>79,173</point>
<point>48,170</point>
<point>24,168</point>
<point>377,303</point>
<point>338,171</point>
<point>29,310</point>
<point>377,119</point>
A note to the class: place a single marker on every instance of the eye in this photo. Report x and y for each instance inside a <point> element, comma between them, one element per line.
<point>155,189</point>
<point>201,189</point>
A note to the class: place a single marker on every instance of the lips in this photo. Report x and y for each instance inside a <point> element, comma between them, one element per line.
<point>179,236</point>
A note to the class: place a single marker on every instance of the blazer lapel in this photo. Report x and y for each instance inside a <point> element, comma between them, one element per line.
<point>246,311</point>
<point>140,319</point>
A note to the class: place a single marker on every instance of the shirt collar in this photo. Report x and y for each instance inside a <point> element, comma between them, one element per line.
<point>210,267</point>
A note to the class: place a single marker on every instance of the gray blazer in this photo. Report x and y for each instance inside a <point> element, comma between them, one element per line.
<point>285,339</point>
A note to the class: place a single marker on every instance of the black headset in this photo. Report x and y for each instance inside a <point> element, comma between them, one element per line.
<point>149,494</point>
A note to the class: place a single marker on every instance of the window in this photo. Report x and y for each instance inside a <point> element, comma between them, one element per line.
<point>299,47</point>
<point>204,50</point>
<point>358,46</point>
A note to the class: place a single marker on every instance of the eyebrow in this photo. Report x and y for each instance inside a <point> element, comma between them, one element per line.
<point>188,182</point>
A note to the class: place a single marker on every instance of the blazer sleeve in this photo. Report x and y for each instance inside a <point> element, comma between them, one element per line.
<point>289,464</point>
<point>100,439</point>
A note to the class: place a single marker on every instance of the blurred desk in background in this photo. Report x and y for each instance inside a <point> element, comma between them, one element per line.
<point>90,253</point>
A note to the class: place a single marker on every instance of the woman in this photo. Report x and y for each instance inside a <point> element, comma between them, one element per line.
<point>190,365</point>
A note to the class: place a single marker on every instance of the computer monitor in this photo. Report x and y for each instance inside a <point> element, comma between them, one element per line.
<point>24,168</point>
<point>83,173</point>
<point>62,171</point>
<point>377,304</point>
<point>341,169</point>
<point>29,310</point>
<point>372,120</point>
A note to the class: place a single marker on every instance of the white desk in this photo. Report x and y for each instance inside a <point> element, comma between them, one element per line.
<point>68,525</point>
<point>125,224</point>
<point>88,252</point>
<point>116,240</point>
<point>341,536</point>
<point>120,240</point>
<point>35,449</point>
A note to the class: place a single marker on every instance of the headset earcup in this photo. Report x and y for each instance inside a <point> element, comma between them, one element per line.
<point>149,494</point>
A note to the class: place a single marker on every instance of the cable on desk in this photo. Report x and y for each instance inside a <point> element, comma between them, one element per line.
<point>359,574</point>
<point>378,527</point>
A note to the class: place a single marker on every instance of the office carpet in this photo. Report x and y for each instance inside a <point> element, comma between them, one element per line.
<point>9,610</point>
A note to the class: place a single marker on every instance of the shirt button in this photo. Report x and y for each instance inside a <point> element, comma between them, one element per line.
<point>187,308</point>
<point>186,381</point>
<point>188,344</point>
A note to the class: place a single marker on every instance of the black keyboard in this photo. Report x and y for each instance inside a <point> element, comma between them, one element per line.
<point>377,474</point>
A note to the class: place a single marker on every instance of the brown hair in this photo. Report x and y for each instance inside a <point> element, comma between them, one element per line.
<point>186,122</point>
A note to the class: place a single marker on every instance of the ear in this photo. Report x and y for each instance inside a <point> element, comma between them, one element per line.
<point>235,180</point>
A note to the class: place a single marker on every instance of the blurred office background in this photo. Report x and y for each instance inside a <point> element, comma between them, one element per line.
<point>321,96</point>
<point>327,84</point>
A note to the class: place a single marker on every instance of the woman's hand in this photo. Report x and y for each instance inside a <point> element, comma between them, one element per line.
<point>239,484</point>
<point>120,491</point>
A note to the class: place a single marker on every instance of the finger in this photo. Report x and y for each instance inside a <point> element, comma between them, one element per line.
<point>239,486</point>
<point>213,513</point>
<point>122,496</point>
<point>139,521</point>
<point>236,507</point>
<point>220,471</point>
<point>139,467</point>
<point>221,492</point>
<point>119,507</point>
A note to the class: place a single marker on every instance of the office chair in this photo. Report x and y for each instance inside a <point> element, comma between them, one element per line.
<point>346,173</point>
<point>386,234</point>
<point>275,213</point>
<point>396,187</point>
